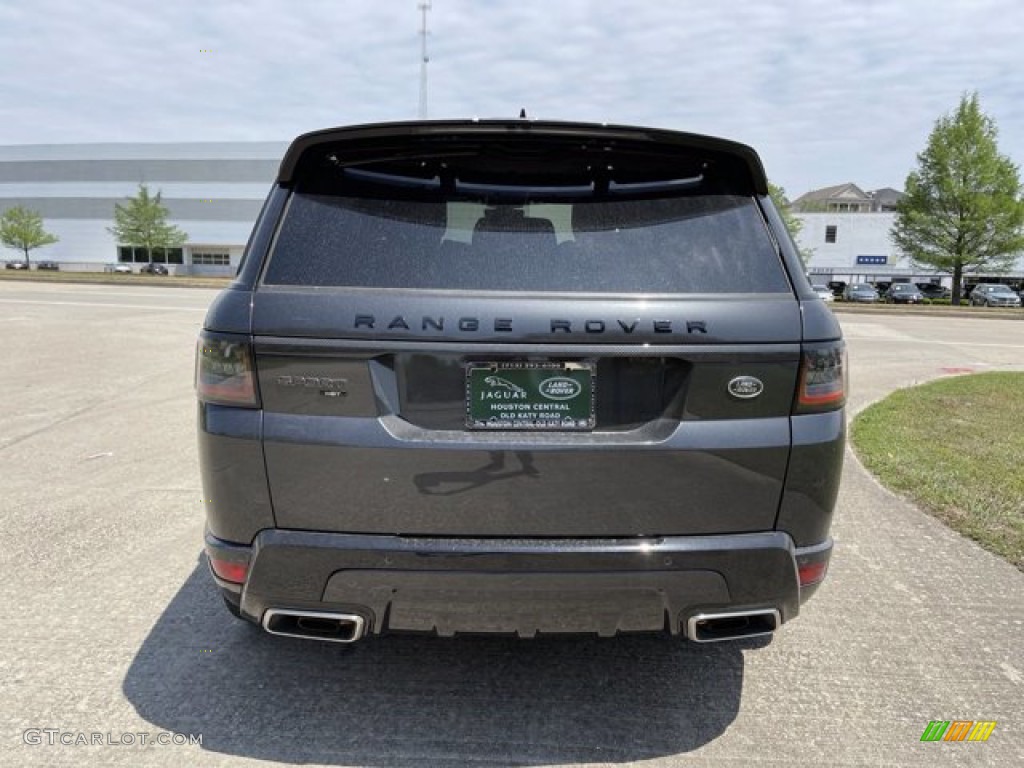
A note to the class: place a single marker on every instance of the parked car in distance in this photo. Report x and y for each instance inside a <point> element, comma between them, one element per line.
<point>119,269</point>
<point>414,417</point>
<point>903,293</point>
<point>934,291</point>
<point>16,264</point>
<point>862,293</point>
<point>152,269</point>
<point>994,295</point>
<point>824,292</point>
<point>51,266</point>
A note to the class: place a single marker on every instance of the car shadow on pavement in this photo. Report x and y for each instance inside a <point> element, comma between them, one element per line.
<point>410,700</point>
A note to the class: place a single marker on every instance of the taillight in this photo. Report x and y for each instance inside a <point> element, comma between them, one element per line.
<point>812,573</point>
<point>822,384</point>
<point>229,570</point>
<point>224,371</point>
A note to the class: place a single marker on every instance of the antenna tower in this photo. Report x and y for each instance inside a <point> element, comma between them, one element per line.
<point>424,58</point>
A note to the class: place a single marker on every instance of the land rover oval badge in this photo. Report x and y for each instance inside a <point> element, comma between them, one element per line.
<point>745,387</point>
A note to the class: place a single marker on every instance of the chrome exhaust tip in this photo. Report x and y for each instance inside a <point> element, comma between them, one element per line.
<point>315,625</point>
<point>713,627</point>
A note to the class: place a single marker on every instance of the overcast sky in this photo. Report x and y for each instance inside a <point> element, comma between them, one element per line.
<point>827,92</point>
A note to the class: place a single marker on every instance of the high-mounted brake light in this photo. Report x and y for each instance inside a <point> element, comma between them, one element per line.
<point>823,379</point>
<point>224,371</point>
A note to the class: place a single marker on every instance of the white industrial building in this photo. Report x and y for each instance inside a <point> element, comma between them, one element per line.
<point>855,247</point>
<point>846,231</point>
<point>213,192</point>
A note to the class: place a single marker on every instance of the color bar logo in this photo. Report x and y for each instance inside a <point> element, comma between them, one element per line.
<point>958,730</point>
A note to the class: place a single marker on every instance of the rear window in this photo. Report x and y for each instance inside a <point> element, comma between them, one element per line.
<point>681,244</point>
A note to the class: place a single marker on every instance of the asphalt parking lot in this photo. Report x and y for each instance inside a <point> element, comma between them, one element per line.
<point>111,627</point>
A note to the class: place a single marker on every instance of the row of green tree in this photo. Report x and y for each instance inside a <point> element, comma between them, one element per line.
<point>141,223</point>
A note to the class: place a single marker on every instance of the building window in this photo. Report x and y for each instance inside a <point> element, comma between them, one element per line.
<point>830,233</point>
<point>160,255</point>
<point>209,258</point>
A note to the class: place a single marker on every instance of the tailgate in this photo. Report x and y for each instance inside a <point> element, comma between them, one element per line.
<point>372,435</point>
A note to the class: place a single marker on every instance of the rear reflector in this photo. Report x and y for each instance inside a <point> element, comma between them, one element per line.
<point>224,371</point>
<point>812,573</point>
<point>822,378</point>
<point>230,571</point>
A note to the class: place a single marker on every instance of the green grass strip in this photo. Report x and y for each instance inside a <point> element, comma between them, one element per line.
<point>955,447</point>
<point>108,278</point>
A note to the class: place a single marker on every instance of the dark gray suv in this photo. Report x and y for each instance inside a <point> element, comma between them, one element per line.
<point>519,377</point>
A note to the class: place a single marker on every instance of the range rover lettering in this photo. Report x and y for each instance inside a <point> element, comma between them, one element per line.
<point>519,377</point>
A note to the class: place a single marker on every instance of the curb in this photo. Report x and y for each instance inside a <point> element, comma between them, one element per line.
<point>988,313</point>
<point>168,281</point>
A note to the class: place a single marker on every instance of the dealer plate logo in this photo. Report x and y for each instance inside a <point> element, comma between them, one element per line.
<point>560,388</point>
<point>503,389</point>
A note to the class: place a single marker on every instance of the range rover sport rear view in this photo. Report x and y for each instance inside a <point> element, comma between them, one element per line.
<point>519,377</point>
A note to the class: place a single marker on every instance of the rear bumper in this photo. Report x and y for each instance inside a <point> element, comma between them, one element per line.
<point>519,586</point>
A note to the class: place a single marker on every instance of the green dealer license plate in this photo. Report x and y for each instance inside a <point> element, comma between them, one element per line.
<point>551,396</point>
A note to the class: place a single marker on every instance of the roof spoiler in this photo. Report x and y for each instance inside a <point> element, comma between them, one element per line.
<point>363,145</point>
